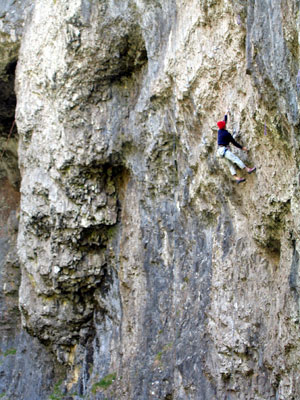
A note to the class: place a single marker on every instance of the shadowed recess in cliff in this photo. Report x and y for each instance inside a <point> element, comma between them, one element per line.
<point>7,96</point>
<point>8,133</point>
<point>127,56</point>
<point>77,285</point>
<point>9,194</point>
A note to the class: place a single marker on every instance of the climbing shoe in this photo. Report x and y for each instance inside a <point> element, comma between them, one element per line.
<point>251,170</point>
<point>240,180</point>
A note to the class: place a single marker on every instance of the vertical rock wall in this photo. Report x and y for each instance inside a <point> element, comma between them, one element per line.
<point>145,269</point>
<point>28,370</point>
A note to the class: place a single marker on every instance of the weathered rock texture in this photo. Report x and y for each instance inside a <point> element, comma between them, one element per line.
<point>27,368</point>
<point>146,271</point>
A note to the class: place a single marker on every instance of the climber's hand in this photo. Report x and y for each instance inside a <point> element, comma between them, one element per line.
<point>245,149</point>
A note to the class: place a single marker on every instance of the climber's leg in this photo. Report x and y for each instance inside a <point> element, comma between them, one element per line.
<point>233,173</point>
<point>222,153</point>
<point>231,167</point>
<point>234,159</point>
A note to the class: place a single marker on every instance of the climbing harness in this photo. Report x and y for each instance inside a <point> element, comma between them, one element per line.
<point>6,143</point>
<point>224,152</point>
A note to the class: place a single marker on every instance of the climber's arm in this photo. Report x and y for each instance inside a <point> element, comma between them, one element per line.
<point>236,144</point>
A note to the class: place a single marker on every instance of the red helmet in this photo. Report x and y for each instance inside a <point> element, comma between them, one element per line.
<point>221,124</point>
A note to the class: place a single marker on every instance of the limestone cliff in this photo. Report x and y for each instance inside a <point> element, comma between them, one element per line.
<point>146,272</point>
<point>27,368</point>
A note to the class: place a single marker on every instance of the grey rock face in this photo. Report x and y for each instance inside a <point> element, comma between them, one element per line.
<point>147,272</point>
<point>27,369</point>
<point>271,54</point>
<point>12,16</point>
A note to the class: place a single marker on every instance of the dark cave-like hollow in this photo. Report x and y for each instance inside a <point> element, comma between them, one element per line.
<point>9,170</point>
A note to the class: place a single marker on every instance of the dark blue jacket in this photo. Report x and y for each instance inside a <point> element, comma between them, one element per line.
<point>225,138</point>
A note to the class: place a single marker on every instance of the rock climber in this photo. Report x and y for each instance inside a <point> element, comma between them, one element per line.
<point>224,140</point>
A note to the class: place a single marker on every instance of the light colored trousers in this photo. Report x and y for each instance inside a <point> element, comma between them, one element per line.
<point>231,158</point>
